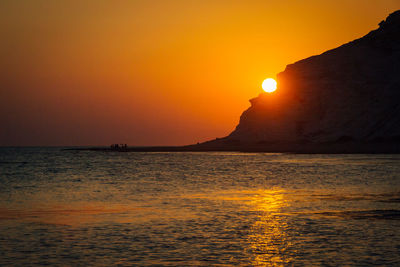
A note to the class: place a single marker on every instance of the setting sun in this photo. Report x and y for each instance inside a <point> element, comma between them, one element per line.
<point>269,85</point>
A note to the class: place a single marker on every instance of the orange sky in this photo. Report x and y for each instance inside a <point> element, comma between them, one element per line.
<point>155,72</point>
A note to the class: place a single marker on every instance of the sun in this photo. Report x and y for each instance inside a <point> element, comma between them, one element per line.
<point>269,85</point>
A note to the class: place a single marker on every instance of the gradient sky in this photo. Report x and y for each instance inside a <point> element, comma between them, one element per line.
<point>155,72</point>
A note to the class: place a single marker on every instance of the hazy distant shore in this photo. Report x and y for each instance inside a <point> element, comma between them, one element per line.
<point>337,148</point>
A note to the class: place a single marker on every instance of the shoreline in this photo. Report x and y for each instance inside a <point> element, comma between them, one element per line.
<point>213,146</point>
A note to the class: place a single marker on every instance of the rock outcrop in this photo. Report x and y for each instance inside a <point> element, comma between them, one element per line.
<point>347,94</point>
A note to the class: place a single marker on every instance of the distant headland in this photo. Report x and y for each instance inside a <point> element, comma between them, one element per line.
<point>346,100</point>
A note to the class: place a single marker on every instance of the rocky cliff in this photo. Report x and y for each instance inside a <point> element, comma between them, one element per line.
<point>348,94</point>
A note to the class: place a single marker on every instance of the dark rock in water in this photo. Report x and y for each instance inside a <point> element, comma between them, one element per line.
<point>350,94</point>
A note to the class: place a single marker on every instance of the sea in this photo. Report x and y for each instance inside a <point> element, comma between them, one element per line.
<point>91,208</point>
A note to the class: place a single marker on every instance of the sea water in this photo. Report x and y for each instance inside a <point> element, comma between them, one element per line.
<point>67,208</point>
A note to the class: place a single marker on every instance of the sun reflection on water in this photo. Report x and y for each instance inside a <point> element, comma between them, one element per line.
<point>268,238</point>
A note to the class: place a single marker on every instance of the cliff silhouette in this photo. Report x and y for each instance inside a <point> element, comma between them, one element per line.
<point>343,100</point>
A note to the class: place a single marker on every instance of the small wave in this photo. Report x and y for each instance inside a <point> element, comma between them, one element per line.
<point>365,214</point>
<point>384,197</point>
<point>13,162</point>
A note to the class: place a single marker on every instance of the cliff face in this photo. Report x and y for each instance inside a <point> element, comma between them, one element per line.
<point>348,93</point>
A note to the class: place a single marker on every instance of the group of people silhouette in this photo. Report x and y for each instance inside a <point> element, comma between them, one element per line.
<point>119,146</point>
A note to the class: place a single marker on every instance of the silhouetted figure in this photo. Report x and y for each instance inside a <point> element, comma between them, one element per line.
<point>115,146</point>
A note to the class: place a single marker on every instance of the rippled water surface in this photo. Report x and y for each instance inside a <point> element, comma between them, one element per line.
<point>210,209</point>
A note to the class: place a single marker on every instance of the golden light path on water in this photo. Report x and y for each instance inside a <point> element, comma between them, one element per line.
<point>268,232</point>
<point>266,240</point>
